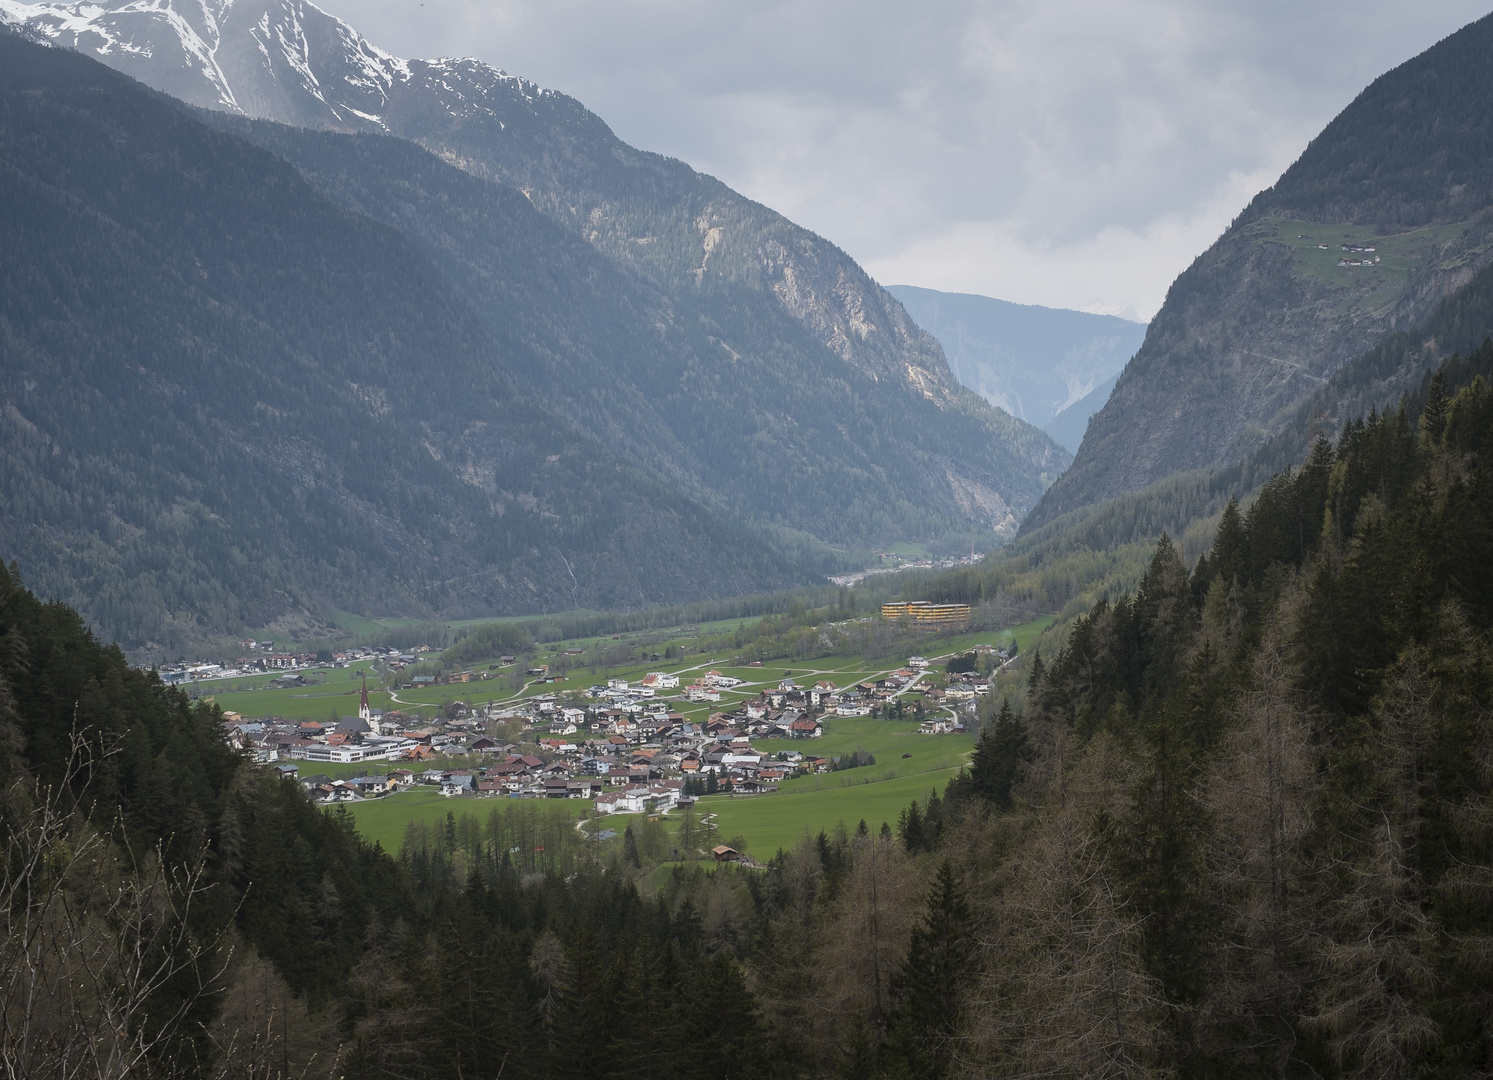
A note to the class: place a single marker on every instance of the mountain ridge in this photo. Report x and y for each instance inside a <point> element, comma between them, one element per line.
<point>732,265</point>
<point>1388,211</point>
<point>441,104</point>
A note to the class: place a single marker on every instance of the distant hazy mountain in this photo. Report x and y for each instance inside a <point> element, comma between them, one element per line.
<point>754,294</point>
<point>1387,211</point>
<point>1034,362</point>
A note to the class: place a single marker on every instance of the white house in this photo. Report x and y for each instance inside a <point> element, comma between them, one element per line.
<point>456,784</point>
<point>635,799</point>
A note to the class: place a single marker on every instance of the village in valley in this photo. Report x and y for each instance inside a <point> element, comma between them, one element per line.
<point>647,742</point>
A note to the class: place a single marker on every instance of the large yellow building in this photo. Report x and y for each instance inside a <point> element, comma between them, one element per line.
<point>924,613</point>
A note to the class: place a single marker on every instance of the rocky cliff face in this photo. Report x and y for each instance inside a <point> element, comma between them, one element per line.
<point>1386,213</point>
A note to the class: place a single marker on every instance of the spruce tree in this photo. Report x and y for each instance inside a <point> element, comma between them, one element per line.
<point>1433,417</point>
<point>1034,680</point>
<point>933,817</point>
<point>929,987</point>
<point>998,757</point>
<point>1229,559</point>
<point>910,827</point>
<point>724,1014</point>
<point>630,847</point>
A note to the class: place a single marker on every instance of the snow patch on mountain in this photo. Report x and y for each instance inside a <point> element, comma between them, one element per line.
<point>284,60</point>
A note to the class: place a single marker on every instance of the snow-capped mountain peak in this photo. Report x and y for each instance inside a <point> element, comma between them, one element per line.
<point>284,60</point>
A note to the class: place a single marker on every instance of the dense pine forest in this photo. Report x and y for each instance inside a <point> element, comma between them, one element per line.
<point>1241,823</point>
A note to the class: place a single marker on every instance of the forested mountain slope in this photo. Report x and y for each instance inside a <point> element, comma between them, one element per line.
<point>1240,810</point>
<point>736,283</point>
<point>1385,213</point>
<point>228,401</point>
<point>812,447</point>
<point>171,910</point>
<point>1069,563</point>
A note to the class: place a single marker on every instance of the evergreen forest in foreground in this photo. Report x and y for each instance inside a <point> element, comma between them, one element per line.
<point>1241,824</point>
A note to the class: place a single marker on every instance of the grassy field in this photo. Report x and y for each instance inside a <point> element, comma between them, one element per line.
<point>335,692</point>
<point>769,822</point>
<point>384,820</point>
<point>888,740</point>
<point>1366,288</point>
<point>874,792</point>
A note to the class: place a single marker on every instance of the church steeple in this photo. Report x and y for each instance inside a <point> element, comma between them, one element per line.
<point>364,712</point>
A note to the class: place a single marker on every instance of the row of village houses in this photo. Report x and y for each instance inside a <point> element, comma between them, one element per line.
<point>268,660</point>
<point>638,750</point>
<point>617,793</point>
<point>615,708</point>
<point>786,711</point>
<point>615,779</point>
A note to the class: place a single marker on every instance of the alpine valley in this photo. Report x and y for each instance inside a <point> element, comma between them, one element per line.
<point>1188,777</point>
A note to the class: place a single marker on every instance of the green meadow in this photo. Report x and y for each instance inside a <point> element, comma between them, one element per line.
<point>1317,247</point>
<point>766,823</point>
<point>384,820</point>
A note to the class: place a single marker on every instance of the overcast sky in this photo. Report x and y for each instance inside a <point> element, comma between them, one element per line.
<point>1075,153</point>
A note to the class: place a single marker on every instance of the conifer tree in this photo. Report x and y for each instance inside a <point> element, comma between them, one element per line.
<point>1229,559</point>
<point>1433,417</point>
<point>724,1015</point>
<point>998,757</point>
<point>910,827</point>
<point>1374,970</point>
<point>1034,679</point>
<point>1259,870</point>
<point>931,983</point>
